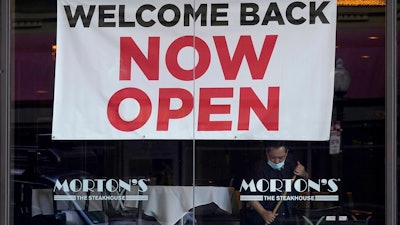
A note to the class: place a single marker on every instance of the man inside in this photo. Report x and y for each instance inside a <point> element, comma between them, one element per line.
<point>276,166</point>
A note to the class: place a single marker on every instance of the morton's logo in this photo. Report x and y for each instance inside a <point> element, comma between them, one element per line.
<point>289,190</point>
<point>100,189</point>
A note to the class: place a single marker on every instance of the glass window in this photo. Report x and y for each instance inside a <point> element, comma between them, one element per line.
<point>160,181</point>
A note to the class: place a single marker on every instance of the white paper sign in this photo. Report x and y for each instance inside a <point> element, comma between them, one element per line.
<point>218,69</point>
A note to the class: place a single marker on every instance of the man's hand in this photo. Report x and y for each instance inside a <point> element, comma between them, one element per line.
<point>300,170</point>
<point>268,216</point>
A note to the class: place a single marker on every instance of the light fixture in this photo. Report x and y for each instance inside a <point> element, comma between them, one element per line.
<point>361,2</point>
<point>42,91</point>
<point>53,52</point>
<point>342,78</point>
<point>373,38</point>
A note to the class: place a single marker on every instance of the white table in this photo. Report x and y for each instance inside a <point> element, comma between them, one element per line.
<point>168,204</point>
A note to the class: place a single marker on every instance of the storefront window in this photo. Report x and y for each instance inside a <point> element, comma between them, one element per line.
<point>195,180</point>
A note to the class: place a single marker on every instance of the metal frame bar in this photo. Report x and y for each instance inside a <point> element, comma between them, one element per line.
<point>391,112</point>
<point>5,84</point>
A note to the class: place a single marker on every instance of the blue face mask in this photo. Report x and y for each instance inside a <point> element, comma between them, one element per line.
<point>276,166</point>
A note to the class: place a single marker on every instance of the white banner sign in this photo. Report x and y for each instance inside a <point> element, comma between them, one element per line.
<point>219,69</point>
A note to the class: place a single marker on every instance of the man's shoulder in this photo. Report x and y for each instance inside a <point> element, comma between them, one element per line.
<point>260,164</point>
<point>290,165</point>
<point>259,168</point>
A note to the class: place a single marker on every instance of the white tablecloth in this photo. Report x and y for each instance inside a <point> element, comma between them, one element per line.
<point>42,203</point>
<point>168,204</point>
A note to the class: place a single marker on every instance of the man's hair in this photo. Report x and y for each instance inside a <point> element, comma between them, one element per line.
<point>275,144</point>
